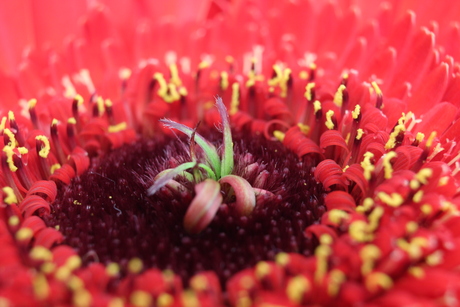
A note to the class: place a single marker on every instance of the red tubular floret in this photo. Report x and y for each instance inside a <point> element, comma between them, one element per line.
<point>32,203</point>
<point>64,174</point>
<point>340,200</point>
<point>35,223</point>
<point>44,187</point>
<point>296,141</point>
<point>48,237</point>
<point>329,173</point>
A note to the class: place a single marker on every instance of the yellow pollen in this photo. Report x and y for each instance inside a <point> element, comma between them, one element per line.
<point>278,75</point>
<point>141,299</point>
<point>312,66</point>
<point>367,166</point>
<point>48,267</point>
<point>118,127</point>
<point>199,283</point>
<point>41,253</point>
<point>393,200</point>
<point>430,140</point>
<point>63,273</point>
<point>296,288</point>
<point>417,272</point>
<point>374,218</point>
<point>423,175</point>
<point>443,181</point>
<point>262,269</point>
<point>9,158</point>
<point>124,73</point>
<point>10,115</point>
<point>235,102</point>
<point>329,123</point>
<point>163,87</point>
<point>418,196</point>
<point>13,220</point>
<point>108,103</point>
<point>45,150</point>
<point>356,111</point>
<point>388,168</point>
<point>100,105</point>
<point>396,132</point>
<point>305,129</point>
<point>183,91</point>
<point>175,75</point>
<point>75,283</point>
<point>189,299</point>
<point>244,300</point>
<point>345,168</point>
<point>41,287</point>
<point>282,259</point>
<point>54,167</point>
<point>325,239</point>
<point>32,103</point>
<point>366,205</point>
<point>376,88</point>
<point>82,298</point>
<point>316,106</point>
<point>10,196</point>
<point>322,253</point>
<point>369,254</point>
<point>426,209</point>
<point>419,137</point>
<point>116,302</point>
<point>303,75</point>
<point>72,121</point>
<point>74,262</point>
<point>224,80</point>
<point>165,300</point>
<point>435,258</point>
<point>377,280</point>
<point>54,122</point>
<point>337,277</point>
<point>23,150</point>
<point>336,216</point>
<point>338,97</point>
<point>358,231</point>
<point>279,135</point>
<point>12,140</point>
<point>308,90</point>
<point>135,265</point>
<point>24,234</point>
<point>359,134</point>
<point>171,94</point>
<point>411,227</point>
<point>3,123</point>
<point>112,269</point>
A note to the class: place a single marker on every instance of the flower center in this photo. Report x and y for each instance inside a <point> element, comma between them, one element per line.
<point>107,214</point>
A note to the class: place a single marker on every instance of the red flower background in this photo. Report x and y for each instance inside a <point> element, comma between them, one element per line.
<point>370,91</point>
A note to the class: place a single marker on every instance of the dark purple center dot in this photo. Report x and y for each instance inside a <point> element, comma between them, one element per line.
<point>107,215</point>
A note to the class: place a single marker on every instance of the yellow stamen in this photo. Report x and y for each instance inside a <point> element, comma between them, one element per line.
<point>426,209</point>
<point>235,102</point>
<point>356,111</point>
<point>100,105</point>
<point>337,277</point>
<point>359,134</point>
<point>308,90</point>
<point>316,106</point>
<point>338,97</point>
<point>279,135</point>
<point>411,227</point>
<point>419,137</point>
<point>41,253</point>
<point>305,129</point>
<point>135,265</point>
<point>282,259</point>
<point>388,168</point>
<point>337,216</point>
<point>435,258</point>
<point>45,150</point>
<point>418,196</point>
<point>13,221</point>
<point>32,103</point>
<point>165,300</point>
<point>189,299</point>
<point>377,280</point>
<point>141,299</point>
<point>54,167</point>
<point>112,269</point>
<point>10,196</point>
<point>376,88</point>
<point>24,234</point>
<point>431,138</point>
<point>82,298</point>
<point>41,287</point>
<point>329,123</point>
<point>374,218</point>
<point>358,231</point>
<point>12,140</point>
<point>369,254</point>
<point>262,269</point>
<point>296,288</point>
<point>303,75</point>
<point>416,271</point>
<point>163,87</point>
<point>322,253</point>
<point>124,73</point>
<point>367,166</point>
<point>224,80</point>
<point>3,123</point>
<point>175,75</point>
<point>392,140</point>
<point>118,127</point>
<point>9,158</point>
<point>393,200</point>
<point>72,121</point>
<point>10,115</point>
<point>199,283</point>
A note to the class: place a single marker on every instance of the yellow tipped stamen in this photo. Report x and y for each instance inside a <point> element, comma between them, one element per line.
<point>392,140</point>
<point>112,269</point>
<point>118,127</point>
<point>367,204</point>
<point>431,138</point>
<point>316,106</point>
<point>279,135</point>
<point>45,150</point>
<point>414,248</point>
<point>443,181</point>
<point>135,265</point>
<point>54,122</point>
<point>262,269</point>
<point>336,278</point>
<point>75,283</point>
<point>82,298</point>
<point>417,272</point>
<point>72,121</point>
<point>313,66</point>
<point>9,158</point>
<point>54,167</point>
<point>174,75</point>
<point>278,75</point>
<point>13,221</point>
<point>303,75</point>
<point>100,105</point>
<point>426,209</point>
<point>141,299</point>
<point>369,254</point>
<point>41,253</point>
<point>376,280</point>
<point>235,102</point>
<point>326,239</point>
<point>12,140</point>
<point>23,150</point>
<point>421,178</point>
<point>172,94</point>
<point>24,234</point>
<point>10,196</point>
<point>3,123</point>
<point>108,103</point>
<point>393,200</point>
<point>411,227</point>
<point>359,134</point>
<point>374,218</point>
<point>336,216</point>
<point>163,87</point>
<point>419,137</point>
<point>308,90</point>
<point>329,123</point>
<point>189,299</point>
<point>305,129</point>
<point>376,88</point>
<point>338,97</point>
<point>32,103</point>
<point>418,196</point>
<point>359,231</point>
<point>199,283</point>
<point>367,166</point>
<point>204,64</point>
<point>296,288</point>
<point>224,80</point>
<point>282,259</point>
<point>322,253</point>
<point>41,287</point>
<point>11,115</point>
<point>388,168</point>
<point>356,111</point>
<point>435,258</point>
<point>165,300</point>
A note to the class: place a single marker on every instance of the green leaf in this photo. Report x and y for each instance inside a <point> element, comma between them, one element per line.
<point>227,156</point>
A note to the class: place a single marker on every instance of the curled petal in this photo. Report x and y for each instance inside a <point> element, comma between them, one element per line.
<point>64,174</point>
<point>35,223</point>
<point>333,138</point>
<point>296,141</point>
<point>328,172</point>
<point>245,196</point>
<point>47,237</point>
<point>340,200</point>
<point>44,187</point>
<point>203,207</point>
<point>32,203</point>
<point>166,176</point>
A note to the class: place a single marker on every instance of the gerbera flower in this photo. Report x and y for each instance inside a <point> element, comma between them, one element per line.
<point>230,153</point>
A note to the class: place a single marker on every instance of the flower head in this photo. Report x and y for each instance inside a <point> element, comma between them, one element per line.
<point>334,179</point>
